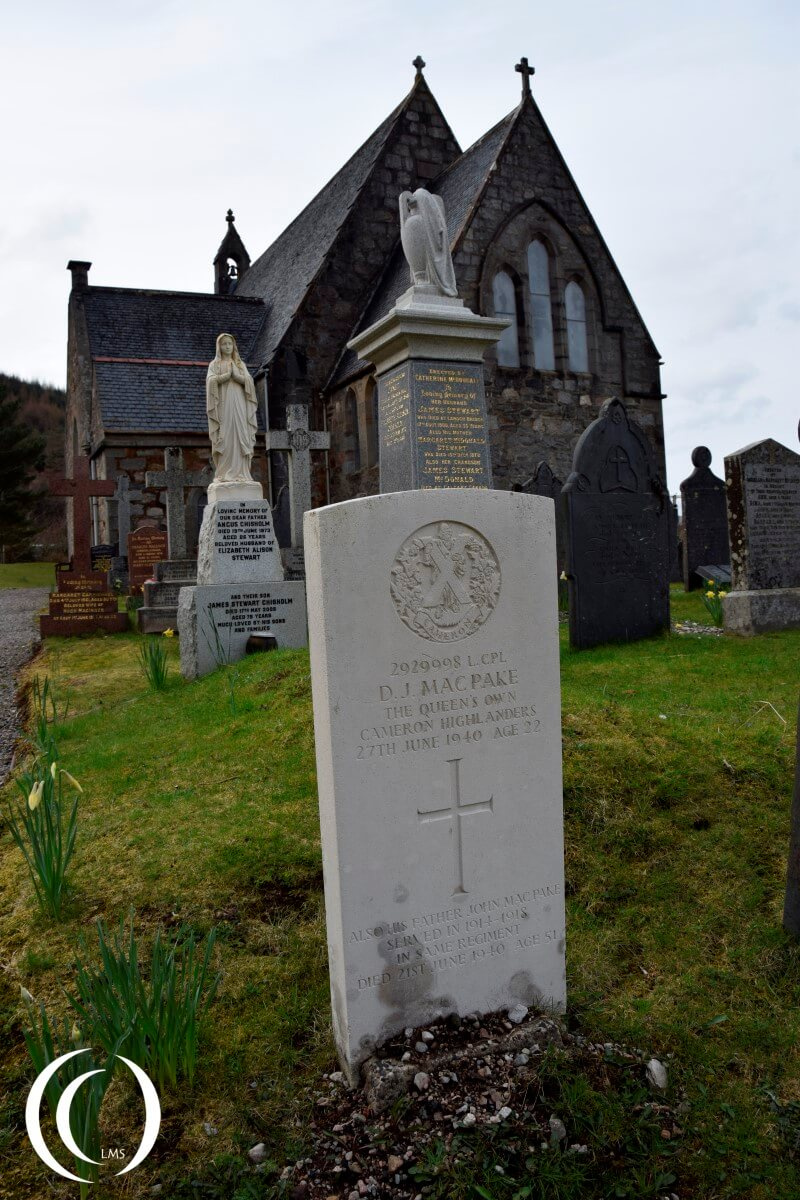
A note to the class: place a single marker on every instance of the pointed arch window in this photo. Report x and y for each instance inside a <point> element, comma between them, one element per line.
<point>577,342</point>
<point>544,358</point>
<point>505,305</point>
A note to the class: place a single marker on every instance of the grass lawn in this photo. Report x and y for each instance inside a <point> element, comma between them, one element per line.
<point>200,805</point>
<point>25,575</point>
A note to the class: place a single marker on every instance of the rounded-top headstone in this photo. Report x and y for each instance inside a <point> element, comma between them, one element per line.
<point>701,456</point>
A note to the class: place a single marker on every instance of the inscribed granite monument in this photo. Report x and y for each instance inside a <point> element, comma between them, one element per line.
<point>705,520</point>
<point>428,355</point>
<point>241,587</point>
<point>618,530</point>
<point>763,497</point>
<point>437,725</point>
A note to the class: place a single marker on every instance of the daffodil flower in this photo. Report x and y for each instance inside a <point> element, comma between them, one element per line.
<point>710,595</point>
<point>71,779</point>
<point>26,996</point>
<point>53,770</point>
<point>169,633</point>
<point>711,583</point>
<point>35,795</point>
<point>75,1033</point>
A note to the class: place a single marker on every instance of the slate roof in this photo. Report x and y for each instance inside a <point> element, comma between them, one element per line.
<point>460,187</point>
<point>285,270</point>
<point>162,343</point>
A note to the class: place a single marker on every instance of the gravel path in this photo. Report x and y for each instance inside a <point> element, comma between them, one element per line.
<point>19,637</point>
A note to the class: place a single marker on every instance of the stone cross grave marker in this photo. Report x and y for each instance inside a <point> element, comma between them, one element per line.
<point>437,724</point>
<point>123,499</point>
<point>705,520</point>
<point>176,480</point>
<point>618,528</point>
<point>298,441</point>
<point>763,498</point>
<point>81,488</point>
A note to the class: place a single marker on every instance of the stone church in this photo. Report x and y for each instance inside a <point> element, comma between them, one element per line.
<point>524,244</point>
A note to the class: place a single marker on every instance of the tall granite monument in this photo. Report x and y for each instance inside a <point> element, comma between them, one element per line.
<point>763,496</point>
<point>705,520</point>
<point>618,529</point>
<point>240,588</point>
<point>437,725</point>
<point>428,355</point>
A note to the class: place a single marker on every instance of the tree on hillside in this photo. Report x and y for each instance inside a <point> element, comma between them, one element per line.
<point>21,456</point>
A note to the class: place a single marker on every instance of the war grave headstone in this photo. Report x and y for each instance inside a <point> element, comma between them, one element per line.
<point>705,520</point>
<point>617,519</point>
<point>82,602</point>
<point>146,547</point>
<point>791,907</point>
<point>176,570</point>
<point>763,496</point>
<point>428,355</point>
<point>298,441</point>
<point>240,589</point>
<point>437,725</point>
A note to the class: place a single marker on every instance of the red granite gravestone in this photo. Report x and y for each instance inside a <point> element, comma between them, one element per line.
<point>83,602</point>
<point>146,547</point>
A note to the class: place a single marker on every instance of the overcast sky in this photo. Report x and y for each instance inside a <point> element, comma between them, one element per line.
<point>130,129</point>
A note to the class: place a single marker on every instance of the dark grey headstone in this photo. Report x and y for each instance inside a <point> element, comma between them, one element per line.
<point>618,528</point>
<point>791,907</point>
<point>432,426</point>
<point>764,516</point>
<point>544,483</point>
<point>705,519</point>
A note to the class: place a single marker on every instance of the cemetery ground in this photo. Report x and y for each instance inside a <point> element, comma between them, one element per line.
<point>199,809</point>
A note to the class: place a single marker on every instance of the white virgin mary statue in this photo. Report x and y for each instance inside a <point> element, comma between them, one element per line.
<point>231,406</point>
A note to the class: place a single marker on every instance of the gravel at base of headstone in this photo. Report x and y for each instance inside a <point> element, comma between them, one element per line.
<point>215,622</point>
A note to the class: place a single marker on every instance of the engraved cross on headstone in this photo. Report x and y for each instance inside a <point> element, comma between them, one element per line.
<point>80,488</point>
<point>298,441</point>
<point>175,479</point>
<point>526,72</point>
<point>455,812</point>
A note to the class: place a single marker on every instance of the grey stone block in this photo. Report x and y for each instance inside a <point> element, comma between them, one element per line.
<point>749,613</point>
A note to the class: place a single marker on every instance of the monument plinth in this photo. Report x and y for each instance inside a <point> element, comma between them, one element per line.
<point>428,356</point>
<point>241,587</point>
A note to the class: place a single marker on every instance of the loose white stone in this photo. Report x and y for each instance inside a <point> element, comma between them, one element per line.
<point>504,1113</point>
<point>437,723</point>
<point>422,1081</point>
<point>517,1014</point>
<point>657,1074</point>
<point>469,1119</point>
<point>558,1130</point>
<point>421,1048</point>
<point>426,1036</point>
<point>257,1153</point>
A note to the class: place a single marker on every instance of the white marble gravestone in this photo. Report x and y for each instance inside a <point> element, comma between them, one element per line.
<point>438,737</point>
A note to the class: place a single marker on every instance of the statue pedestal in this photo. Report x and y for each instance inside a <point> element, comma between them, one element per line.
<point>234,491</point>
<point>428,355</point>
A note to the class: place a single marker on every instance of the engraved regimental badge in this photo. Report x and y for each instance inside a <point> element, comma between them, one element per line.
<point>445,581</point>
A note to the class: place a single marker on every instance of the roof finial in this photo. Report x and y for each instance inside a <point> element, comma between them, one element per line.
<point>419,63</point>
<point>526,72</point>
<point>229,216</point>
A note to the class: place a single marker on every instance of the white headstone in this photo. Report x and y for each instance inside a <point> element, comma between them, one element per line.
<point>434,657</point>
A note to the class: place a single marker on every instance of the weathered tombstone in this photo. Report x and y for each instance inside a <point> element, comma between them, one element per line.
<point>428,355</point>
<point>175,479</point>
<point>763,494</point>
<point>705,520</point>
<point>544,483</point>
<point>240,587</point>
<point>437,724</point>
<point>82,602</point>
<point>146,547</point>
<point>791,907</point>
<point>617,519</point>
<point>298,442</point>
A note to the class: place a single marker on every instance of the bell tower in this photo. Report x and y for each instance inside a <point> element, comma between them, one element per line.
<point>231,262</point>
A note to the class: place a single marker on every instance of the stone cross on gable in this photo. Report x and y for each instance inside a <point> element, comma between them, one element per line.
<point>455,812</point>
<point>298,441</point>
<point>80,488</point>
<point>526,72</point>
<point>176,480</point>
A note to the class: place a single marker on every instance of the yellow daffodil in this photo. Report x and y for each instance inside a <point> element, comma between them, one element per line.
<point>35,795</point>
<point>26,996</point>
<point>75,1033</point>
<point>710,595</point>
<point>722,594</point>
<point>169,633</point>
<point>711,583</point>
<point>563,576</point>
<point>53,770</point>
<point>71,779</point>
